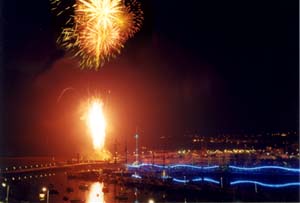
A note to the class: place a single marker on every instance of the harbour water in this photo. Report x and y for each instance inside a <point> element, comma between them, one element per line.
<point>188,188</point>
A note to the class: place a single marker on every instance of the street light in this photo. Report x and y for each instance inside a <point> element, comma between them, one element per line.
<point>7,190</point>
<point>45,190</point>
<point>151,201</point>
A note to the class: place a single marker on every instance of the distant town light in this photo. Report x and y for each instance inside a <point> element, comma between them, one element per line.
<point>3,184</point>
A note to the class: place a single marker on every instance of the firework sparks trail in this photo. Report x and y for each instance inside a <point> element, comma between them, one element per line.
<point>98,29</point>
<point>63,93</point>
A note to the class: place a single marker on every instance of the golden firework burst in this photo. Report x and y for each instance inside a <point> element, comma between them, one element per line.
<point>98,29</point>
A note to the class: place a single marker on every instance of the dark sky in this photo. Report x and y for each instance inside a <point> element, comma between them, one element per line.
<point>195,66</point>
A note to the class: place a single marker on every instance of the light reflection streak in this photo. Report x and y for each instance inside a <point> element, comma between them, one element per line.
<point>96,194</point>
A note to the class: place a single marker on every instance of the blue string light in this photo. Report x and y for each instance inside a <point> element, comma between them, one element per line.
<point>180,180</point>
<point>136,176</point>
<point>214,167</point>
<point>211,180</point>
<point>141,165</point>
<point>197,179</point>
<point>193,167</point>
<point>265,167</point>
<point>174,166</point>
<point>265,184</point>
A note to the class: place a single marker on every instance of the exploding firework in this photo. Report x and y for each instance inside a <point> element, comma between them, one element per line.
<point>98,29</point>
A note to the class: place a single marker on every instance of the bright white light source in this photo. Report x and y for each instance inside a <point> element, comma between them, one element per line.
<point>151,201</point>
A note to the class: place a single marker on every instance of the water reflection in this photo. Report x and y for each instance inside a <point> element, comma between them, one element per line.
<point>96,194</point>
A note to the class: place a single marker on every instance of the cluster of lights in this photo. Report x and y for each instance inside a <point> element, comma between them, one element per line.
<point>283,134</point>
<point>30,177</point>
<point>237,151</point>
<point>183,151</point>
<point>198,140</point>
<point>233,151</point>
<point>31,166</point>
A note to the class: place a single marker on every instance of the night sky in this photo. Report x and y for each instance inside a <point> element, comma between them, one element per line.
<point>195,66</point>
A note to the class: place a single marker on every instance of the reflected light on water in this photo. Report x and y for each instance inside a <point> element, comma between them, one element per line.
<point>96,194</point>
